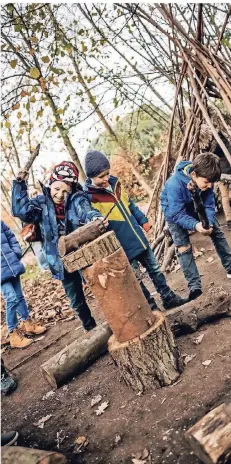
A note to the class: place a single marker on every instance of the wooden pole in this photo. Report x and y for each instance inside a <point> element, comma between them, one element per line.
<point>20,455</point>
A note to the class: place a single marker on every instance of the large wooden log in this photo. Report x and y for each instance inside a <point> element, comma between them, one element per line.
<point>91,252</point>
<point>20,455</point>
<point>84,234</point>
<point>151,360</point>
<point>75,357</point>
<point>114,285</point>
<point>210,438</point>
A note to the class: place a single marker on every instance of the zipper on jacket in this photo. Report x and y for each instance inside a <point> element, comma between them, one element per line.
<point>8,264</point>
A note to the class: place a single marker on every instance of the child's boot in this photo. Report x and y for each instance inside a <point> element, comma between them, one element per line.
<point>173,301</point>
<point>17,339</point>
<point>89,324</point>
<point>31,328</point>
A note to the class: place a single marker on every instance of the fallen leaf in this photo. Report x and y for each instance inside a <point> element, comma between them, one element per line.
<point>117,439</point>
<point>188,358</point>
<point>102,408</point>
<point>96,400</point>
<point>207,362</point>
<point>41,422</point>
<point>198,339</point>
<point>210,259</point>
<point>162,402</point>
<point>80,442</point>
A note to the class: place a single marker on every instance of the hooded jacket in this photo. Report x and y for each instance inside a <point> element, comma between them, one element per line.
<point>176,200</point>
<point>125,219</point>
<point>78,211</point>
<point>11,253</point>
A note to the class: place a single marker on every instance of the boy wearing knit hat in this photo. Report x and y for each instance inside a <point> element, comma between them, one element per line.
<point>127,221</point>
<point>60,210</point>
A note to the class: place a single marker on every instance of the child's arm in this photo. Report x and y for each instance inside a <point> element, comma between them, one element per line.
<point>210,207</point>
<point>13,242</point>
<point>28,210</point>
<point>140,217</point>
<point>177,209</point>
<point>86,212</point>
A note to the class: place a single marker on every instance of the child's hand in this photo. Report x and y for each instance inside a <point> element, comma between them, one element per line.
<point>146,226</point>
<point>203,231</point>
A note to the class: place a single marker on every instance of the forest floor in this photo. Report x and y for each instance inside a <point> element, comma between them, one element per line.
<point>149,427</point>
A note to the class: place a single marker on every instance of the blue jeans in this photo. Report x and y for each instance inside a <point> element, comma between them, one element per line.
<point>148,260</point>
<point>72,284</point>
<point>15,302</point>
<point>180,238</point>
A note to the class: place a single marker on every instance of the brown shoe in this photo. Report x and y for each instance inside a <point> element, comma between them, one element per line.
<point>17,339</point>
<point>30,327</point>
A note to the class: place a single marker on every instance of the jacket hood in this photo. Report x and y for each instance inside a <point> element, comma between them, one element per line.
<point>183,170</point>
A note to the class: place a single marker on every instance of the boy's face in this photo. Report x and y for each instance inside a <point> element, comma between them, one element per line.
<point>59,191</point>
<point>201,182</point>
<point>102,179</point>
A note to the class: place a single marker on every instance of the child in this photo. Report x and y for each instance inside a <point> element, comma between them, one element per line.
<point>61,209</point>
<point>11,269</point>
<point>127,222</point>
<point>179,212</point>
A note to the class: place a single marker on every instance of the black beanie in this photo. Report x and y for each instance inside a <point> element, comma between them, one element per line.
<point>95,163</point>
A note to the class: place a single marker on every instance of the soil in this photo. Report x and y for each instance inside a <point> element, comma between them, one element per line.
<point>155,421</point>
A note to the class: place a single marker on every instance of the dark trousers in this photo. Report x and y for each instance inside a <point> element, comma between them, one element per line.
<point>186,259</point>
<point>148,260</point>
<point>73,287</point>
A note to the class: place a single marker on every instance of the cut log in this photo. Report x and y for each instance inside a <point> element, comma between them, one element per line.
<point>151,360</point>
<point>20,455</point>
<point>91,252</point>
<point>210,438</point>
<point>75,357</point>
<point>114,285</point>
<point>84,234</point>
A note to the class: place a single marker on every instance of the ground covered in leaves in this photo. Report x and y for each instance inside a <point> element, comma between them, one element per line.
<point>96,418</point>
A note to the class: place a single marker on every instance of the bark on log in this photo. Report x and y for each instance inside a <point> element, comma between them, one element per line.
<point>151,360</point>
<point>210,438</point>
<point>113,283</point>
<point>75,357</point>
<point>21,455</point>
<point>91,252</point>
<point>188,319</point>
<point>84,234</point>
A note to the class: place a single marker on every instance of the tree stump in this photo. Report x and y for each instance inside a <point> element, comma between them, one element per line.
<point>114,285</point>
<point>74,358</point>
<point>210,438</point>
<point>103,246</point>
<point>20,455</point>
<point>151,360</point>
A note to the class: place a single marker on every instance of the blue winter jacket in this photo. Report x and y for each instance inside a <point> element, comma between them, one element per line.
<point>126,219</point>
<point>11,253</point>
<point>176,200</point>
<point>78,210</point>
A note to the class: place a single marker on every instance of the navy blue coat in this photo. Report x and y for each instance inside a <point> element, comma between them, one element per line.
<point>176,200</point>
<point>11,253</point>
<point>78,210</point>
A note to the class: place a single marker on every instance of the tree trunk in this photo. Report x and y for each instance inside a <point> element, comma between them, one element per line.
<point>151,360</point>
<point>20,455</point>
<point>75,357</point>
<point>113,283</point>
<point>91,252</point>
<point>210,438</point>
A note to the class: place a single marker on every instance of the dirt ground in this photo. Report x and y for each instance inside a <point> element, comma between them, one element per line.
<point>155,421</point>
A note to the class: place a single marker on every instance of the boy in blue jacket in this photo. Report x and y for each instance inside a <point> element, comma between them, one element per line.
<point>61,209</point>
<point>127,221</point>
<point>178,208</point>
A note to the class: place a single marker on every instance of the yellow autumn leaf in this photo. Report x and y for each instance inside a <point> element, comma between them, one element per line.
<point>34,72</point>
<point>16,107</point>
<point>34,39</point>
<point>59,111</point>
<point>13,63</point>
<point>19,115</point>
<point>45,59</point>
<point>7,124</point>
<point>32,99</point>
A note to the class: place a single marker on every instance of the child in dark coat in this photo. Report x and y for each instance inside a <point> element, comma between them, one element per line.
<point>179,211</point>
<point>11,269</point>
<point>127,221</point>
<point>62,208</point>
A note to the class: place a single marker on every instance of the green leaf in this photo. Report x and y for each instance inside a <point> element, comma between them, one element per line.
<point>13,63</point>
<point>34,72</point>
<point>17,28</point>
<point>32,99</point>
<point>39,113</point>
<point>34,39</point>
<point>19,115</point>
<point>45,59</point>
<point>56,70</point>
<point>54,129</point>
<point>84,47</point>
